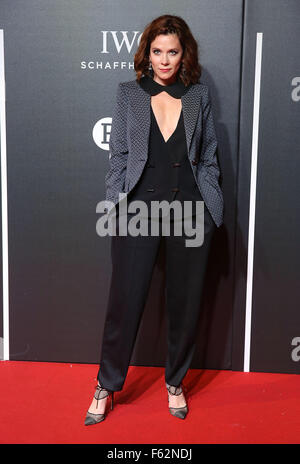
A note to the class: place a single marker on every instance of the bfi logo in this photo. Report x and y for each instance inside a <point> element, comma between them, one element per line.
<point>101,133</point>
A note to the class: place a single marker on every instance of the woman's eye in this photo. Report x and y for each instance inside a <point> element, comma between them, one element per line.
<point>172,51</point>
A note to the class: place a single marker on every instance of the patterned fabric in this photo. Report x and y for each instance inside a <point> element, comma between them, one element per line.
<point>174,390</point>
<point>129,138</point>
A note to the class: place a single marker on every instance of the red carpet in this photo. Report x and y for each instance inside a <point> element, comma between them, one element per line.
<point>46,403</point>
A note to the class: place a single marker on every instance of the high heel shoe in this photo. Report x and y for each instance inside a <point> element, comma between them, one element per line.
<point>92,418</point>
<point>177,412</point>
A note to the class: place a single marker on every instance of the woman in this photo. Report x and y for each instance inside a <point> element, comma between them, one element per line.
<point>163,147</point>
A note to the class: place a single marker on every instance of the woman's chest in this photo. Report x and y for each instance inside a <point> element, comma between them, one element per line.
<point>167,111</point>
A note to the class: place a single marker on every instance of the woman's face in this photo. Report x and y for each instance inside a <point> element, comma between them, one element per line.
<point>165,53</point>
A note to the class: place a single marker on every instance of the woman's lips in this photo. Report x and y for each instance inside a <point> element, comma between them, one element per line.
<point>165,70</point>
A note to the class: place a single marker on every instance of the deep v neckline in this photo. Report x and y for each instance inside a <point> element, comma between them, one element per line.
<point>166,141</point>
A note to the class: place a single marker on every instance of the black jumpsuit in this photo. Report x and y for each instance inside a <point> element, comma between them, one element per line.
<point>167,176</point>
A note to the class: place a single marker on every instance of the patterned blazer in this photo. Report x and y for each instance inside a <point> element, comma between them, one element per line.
<point>129,136</point>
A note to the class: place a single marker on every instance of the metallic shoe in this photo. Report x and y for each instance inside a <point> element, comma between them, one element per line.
<point>177,412</point>
<point>92,418</point>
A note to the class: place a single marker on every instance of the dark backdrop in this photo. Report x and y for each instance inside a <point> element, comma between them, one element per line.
<point>63,62</point>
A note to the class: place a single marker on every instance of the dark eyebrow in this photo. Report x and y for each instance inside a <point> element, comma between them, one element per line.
<point>156,48</point>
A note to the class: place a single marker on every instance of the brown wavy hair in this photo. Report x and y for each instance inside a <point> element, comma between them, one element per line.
<point>169,24</point>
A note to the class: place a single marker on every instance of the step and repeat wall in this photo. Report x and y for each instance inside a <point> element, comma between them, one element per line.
<point>275,315</point>
<point>62,63</point>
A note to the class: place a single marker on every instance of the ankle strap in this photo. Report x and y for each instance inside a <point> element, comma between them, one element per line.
<point>100,393</point>
<point>174,390</point>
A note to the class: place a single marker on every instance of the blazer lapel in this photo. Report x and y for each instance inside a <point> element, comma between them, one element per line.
<point>190,108</point>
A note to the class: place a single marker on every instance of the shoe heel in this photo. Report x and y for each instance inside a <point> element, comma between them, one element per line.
<point>112,401</point>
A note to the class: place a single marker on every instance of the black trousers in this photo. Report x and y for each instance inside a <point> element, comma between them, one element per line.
<point>133,260</point>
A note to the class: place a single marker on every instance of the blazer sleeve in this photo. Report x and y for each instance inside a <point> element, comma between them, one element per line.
<point>209,139</point>
<point>118,149</point>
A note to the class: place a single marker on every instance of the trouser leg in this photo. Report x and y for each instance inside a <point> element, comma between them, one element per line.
<point>133,260</point>
<point>185,273</point>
